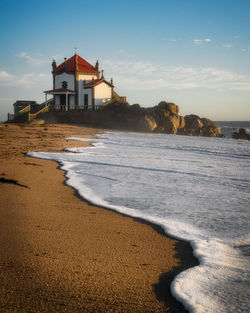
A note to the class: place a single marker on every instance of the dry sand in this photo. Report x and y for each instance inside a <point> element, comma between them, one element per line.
<point>61,254</point>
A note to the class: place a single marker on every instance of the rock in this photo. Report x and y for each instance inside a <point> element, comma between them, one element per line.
<point>210,128</point>
<point>242,134</point>
<point>135,107</point>
<point>193,125</point>
<point>162,118</point>
<point>181,121</point>
<point>166,109</point>
<point>146,124</point>
<point>117,107</point>
<point>170,124</point>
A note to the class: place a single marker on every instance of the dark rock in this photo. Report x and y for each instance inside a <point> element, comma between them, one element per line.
<point>135,107</point>
<point>241,134</point>
<point>117,107</point>
<point>146,124</point>
<point>181,121</point>
<point>170,124</point>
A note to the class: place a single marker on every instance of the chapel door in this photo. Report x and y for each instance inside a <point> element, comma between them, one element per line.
<point>86,101</point>
<point>63,102</point>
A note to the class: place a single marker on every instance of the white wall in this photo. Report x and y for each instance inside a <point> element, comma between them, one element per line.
<point>81,78</point>
<point>69,78</point>
<point>87,77</point>
<point>81,94</point>
<point>103,93</point>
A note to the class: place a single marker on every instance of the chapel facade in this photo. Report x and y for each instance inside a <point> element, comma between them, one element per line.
<point>78,85</point>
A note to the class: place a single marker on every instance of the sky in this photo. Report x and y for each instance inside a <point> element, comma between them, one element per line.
<point>193,53</point>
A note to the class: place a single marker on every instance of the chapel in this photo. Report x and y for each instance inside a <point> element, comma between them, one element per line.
<point>79,85</point>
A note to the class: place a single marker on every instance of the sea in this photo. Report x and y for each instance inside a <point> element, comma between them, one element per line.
<point>196,188</point>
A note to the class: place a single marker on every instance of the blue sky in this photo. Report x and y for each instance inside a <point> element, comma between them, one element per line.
<point>193,53</point>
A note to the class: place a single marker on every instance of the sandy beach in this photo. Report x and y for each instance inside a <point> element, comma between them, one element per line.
<point>60,254</point>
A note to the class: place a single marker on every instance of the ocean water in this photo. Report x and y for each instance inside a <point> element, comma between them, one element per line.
<point>228,128</point>
<point>196,188</point>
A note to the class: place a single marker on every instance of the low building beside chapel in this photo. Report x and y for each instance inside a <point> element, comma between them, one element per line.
<point>78,85</point>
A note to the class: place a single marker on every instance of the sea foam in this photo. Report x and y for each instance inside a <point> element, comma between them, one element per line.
<point>197,189</point>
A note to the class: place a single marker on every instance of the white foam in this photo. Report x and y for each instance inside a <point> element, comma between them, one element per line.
<point>196,188</point>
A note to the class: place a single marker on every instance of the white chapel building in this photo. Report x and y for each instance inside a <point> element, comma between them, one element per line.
<point>78,85</point>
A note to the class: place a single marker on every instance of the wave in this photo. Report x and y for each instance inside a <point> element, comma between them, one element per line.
<point>144,177</point>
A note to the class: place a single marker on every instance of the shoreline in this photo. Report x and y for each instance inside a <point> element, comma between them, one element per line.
<point>181,251</point>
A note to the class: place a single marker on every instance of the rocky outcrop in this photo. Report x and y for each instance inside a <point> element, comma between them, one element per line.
<point>241,134</point>
<point>162,118</point>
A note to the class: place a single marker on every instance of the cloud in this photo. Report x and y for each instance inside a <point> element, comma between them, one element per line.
<point>31,60</point>
<point>26,80</point>
<point>6,77</point>
<point>129,67</point>
<point>197,41</point>
<point>227,46</point>
<point>200,42</point>
<point>143,75</point>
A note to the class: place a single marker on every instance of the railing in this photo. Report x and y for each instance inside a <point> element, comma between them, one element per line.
<point>45,103</point>
<point>43,110</point>
<point>11,116</point>
<point>25,109</point>
<point>116,97</point>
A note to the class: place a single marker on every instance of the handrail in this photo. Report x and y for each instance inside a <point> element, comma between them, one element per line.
<point>25,109</point>
<point>34,115</point>
<point>118,98</point>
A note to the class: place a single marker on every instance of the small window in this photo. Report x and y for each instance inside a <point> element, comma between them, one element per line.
<point>64,85</point>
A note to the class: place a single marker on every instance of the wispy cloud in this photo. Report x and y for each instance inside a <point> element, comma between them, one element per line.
<point>200,42</point>
<point>6,77</point>
<point>197,41</point>
<point>227,46</point>
<point>35,61</point>
<point>26,80</point>
<point>147,76</point>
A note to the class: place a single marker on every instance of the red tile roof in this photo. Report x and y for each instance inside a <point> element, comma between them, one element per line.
<point>76,63</point>
<point>93,83</point>
<point>96,82</point>
<point>59,90</point>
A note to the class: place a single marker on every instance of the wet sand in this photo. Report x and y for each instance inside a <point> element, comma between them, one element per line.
<point>59,253</point>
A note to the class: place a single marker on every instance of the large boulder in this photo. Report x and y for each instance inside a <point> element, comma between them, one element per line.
<point>193,125</point>
<point>170,124</point>
<point>166,109</point>
<point>210,128</point>
<point>146,123</point>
